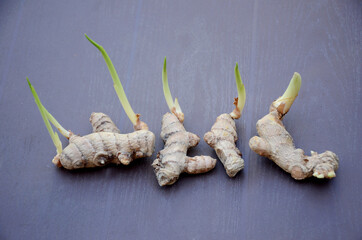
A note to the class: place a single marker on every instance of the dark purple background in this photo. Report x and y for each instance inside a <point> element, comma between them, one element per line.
<point>202,41</point>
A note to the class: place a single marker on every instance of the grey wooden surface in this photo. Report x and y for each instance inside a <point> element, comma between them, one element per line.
<point>202,41</point>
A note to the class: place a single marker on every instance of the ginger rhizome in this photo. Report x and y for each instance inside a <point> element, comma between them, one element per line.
<point>275,143</point>
<point>102,148</point>
<point>223,135</point>
<point>172,160</point>
<point>98,148</point>
<point>105,145</point>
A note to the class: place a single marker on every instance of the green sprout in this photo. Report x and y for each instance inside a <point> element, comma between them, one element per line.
<point>177,106</point>
<point>240,102</point>
<point>57,125</point>
<point>48,117</point>
<point>241,89</point>
<point>116,83</point>
<point>283,103</point>
<point>174,106</point>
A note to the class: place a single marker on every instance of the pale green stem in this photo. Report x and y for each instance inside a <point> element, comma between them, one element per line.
<point>54,136</point>
<point>56,124</point>
<point>166,88</point>
<point>241,89</point>
<point>172,105</point>
<point>177,106</point>
<point>116,83</point>
<point>283,103</point>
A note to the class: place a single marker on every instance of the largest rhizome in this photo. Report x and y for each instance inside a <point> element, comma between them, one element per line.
<point>105,145</point>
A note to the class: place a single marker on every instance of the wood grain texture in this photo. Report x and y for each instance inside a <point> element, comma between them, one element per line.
<point>202,41</point>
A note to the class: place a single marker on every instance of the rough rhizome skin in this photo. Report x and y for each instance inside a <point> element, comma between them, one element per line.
<point>275,143</point>
<point>172,160</point>
<point>105,145</point>
<point>223,135</point>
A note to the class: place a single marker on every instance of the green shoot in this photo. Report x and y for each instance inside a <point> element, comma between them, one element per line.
<point>177,106</point>
<point>44,114</point>
<point>166,88</point>
<point>240,102</point>
<point>56,124</point>
<point>174,106</point>
<point>241,89</point>
<point>283,103</point>
<point>116,83</point>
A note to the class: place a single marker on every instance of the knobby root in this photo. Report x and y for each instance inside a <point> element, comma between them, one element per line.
<point>222,138</point>
<point>172,160</point>
<point>275,143</point>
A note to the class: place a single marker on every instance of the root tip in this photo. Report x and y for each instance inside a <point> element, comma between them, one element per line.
<point>331,174</point>
<point>56,161</point>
